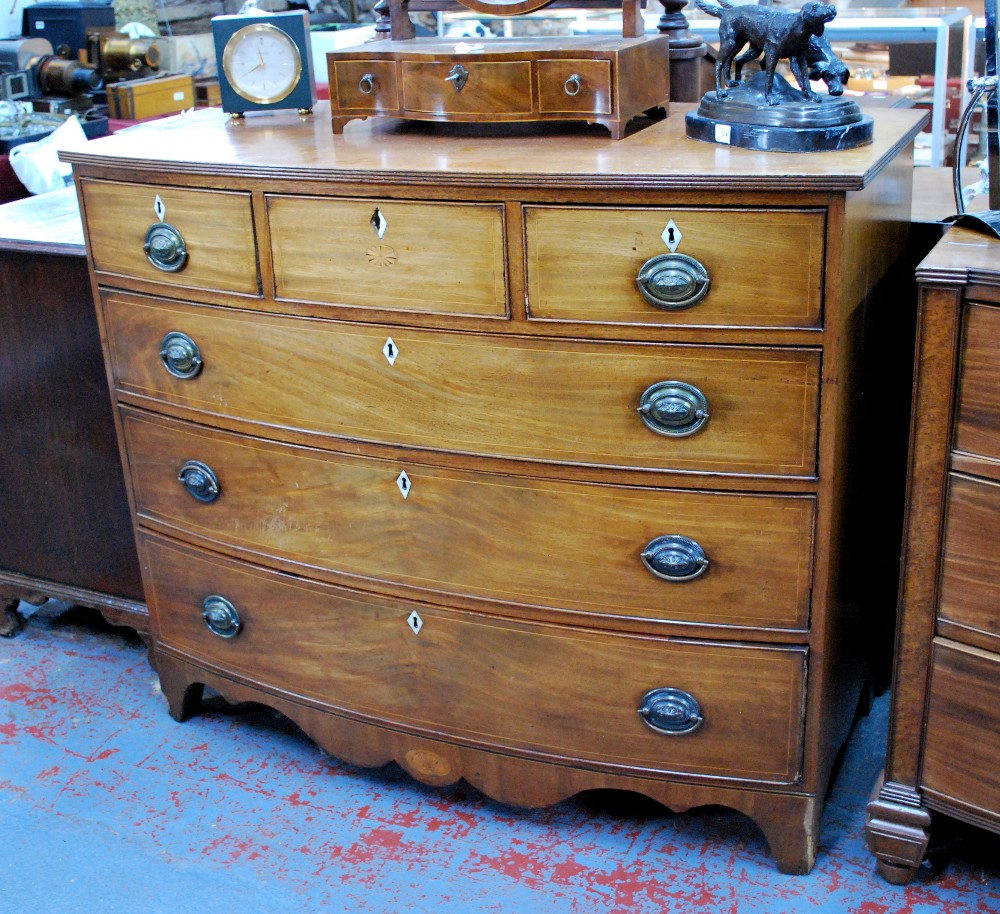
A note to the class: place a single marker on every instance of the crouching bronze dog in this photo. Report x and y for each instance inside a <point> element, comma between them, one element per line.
<point>778,33</point>
<point>824,65</point>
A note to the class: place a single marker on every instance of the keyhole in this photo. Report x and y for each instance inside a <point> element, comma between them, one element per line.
<point>389,350</point>
<point>404,484</point>
<point>670,236</point>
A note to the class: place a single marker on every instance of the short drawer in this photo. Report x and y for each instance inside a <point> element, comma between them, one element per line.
<point>544,543</point>
<point>364,85</point>
<point>970,566</point>
<point>575,86</point>
<point>531,689</point>
<point>425,257</point>
<point>557,401</point>
<point>216,249</point>
<point>977,426</point>
<point>962,737</point>
<point>489,87</point>
<point>712,267</point>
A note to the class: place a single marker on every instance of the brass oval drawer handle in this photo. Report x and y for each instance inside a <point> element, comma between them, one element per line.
<point>200,481</point>
<point>673,408</point>
<point>573,84</point>
<point>221,616</point>
<point>671,711</point>
<point>366,85</point>
<point>673,281</point>
<point>458,76</point>
<point>675,558</point>
<point>164,247</point>
<point>180,355</point>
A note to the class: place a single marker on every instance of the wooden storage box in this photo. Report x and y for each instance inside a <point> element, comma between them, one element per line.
<point>137,99</point>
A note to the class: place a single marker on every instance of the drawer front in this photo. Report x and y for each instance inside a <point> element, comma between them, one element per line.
<point>533,689</point>
<point>531,542</point>
<point>970,567</point>
<point>430,257</point>
<point>551,400</point>
<point>583,265</point>
<point>364,85</point>
<point>575,86</point>
<point>962,739</point>
<point>216,228</point>
<point>977,428</point>
<point>491,88</point>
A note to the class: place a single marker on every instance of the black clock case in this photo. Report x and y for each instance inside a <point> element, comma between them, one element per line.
<point>296,25</point>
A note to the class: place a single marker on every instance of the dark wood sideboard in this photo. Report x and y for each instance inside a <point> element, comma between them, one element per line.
<point>944,734</point>
<point>66,524</point>
<point>415,458</point>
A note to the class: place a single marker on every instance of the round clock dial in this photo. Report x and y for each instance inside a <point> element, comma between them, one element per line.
<point>262,63</point>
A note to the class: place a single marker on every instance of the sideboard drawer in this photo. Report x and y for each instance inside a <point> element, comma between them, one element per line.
<point>483,536</point>
<point>489,87</point>
<point>386,254</point>
<point>977,425</point>
<point>583,265</point>
<point>962,740</point>
<point>559,401</point>
<point>970,562</point>
<point>526,688</point>
<point>215,230</point>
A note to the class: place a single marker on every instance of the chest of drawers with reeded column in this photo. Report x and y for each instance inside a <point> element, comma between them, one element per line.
<point>944,732</point>
<point>417,460</point>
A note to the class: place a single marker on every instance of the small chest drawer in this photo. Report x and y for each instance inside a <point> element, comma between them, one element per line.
<point>962,741</point>
<point>970,567</point>
<point>438,257</point>
<point>977,426</point>
<point>572,86</point>
<point>364,85</point>
<point>595,549</point>
<point>752,268</point>
<point>457,86</point>
<point>738,409</point>
<point>200,239</point>
<point>532,689</point>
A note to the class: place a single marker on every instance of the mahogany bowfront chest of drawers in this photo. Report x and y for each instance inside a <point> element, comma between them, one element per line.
<point>513,457</point>
<point>944,734</point>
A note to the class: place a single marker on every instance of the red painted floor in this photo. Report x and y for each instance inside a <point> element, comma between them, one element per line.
<point>107,805</point>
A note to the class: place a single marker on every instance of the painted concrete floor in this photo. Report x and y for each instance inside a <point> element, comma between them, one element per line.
<point>107,805</point>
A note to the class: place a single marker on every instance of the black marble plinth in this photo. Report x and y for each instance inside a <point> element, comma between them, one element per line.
<point>795,124</point>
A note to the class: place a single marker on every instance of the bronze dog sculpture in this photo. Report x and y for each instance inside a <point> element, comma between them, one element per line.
<point>778,33</point>
<point>824,64</point>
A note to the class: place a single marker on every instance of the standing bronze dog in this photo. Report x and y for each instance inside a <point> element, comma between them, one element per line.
<point>778,32</point>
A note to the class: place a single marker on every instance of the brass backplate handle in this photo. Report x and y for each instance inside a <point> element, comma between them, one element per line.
<point>200,481</point>
<point>675,558</point>
<point>164,247</point>
<point>673,282</point>
<point>671,711</point>
<point>221,616</point>
<point>673,408</point>
<point>180,355</point>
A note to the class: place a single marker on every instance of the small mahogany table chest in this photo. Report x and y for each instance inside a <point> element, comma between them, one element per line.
<point>516,457</point>
<point>944,733</point>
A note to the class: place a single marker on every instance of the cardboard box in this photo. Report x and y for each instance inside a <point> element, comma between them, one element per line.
<point>137,99</point>
<point>190,54</point>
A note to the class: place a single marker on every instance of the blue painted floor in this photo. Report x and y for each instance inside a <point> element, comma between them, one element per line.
<point>107,805</point>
